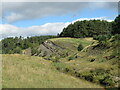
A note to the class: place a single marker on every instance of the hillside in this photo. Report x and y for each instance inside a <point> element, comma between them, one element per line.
<point>61,47</point>
<point>87,28</point>
<point>21,71</point>
<point>94,63</point>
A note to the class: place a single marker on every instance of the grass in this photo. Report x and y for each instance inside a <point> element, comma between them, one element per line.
<point>76,67</point>
<point>70,44</point>
<point>20,71</point>
<point>84,66</point>
<point>74,41</point>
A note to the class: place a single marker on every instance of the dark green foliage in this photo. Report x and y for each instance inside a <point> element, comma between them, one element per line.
<point>87,29</point>
<point>116,25</point>
<point>103,40</point>
<point>101,76</point>
<point>16,45</point>
<point>71,58</point>
<point>116,37</point>
<point>91,28</point>
<point>102,37</point>
<point>16,50</point>
<point>80,47</point>
<point>95,37</point>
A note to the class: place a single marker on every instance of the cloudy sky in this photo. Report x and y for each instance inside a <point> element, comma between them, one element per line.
<point>49,18</point>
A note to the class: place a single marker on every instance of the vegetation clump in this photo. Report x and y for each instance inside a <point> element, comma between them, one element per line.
<point>80,47</point>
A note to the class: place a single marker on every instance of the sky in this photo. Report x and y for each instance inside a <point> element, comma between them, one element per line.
<point>49,18</point>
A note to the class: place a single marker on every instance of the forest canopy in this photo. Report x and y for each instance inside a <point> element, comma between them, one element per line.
<point>16,45</point>
<point>87,28</point>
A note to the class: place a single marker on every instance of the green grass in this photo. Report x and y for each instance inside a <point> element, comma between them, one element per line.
<point>20,71</point>
<point>74,41</point>
<point>71,71</point>
<point>84,66</point>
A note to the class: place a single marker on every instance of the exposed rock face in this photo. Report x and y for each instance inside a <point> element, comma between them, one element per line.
<point>48,48</point>
<point>27,52</point>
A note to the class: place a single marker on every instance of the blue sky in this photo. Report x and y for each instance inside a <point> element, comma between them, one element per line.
<point>86,13</point>
<point>67,17</point>
<point>26,18</point>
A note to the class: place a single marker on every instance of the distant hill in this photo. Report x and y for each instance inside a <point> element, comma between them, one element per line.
<point>87,28</point>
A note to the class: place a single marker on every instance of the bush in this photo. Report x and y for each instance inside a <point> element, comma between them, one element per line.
<point>109,36</point>
<point>17,50</point>
<point>71,58</point>
<point>102,37</point>
<point>80,47</point>
<point>95,37</point>
<point>107,81</point>
<point>103,40</point>
<point>116,37</point>
<point>56,59</point>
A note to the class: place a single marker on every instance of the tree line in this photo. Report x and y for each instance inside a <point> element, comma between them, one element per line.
<point>13,45</point>
<point>89,28</point>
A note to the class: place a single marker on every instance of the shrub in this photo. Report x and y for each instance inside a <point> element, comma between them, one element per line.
<point>56,59</point>
<point>71,58</point>
<point>80,47</point>
<point>102,37</point>
<point>95,37</point>
<point>104,40</point>
<point>116,37</point>
<point>17,50</point>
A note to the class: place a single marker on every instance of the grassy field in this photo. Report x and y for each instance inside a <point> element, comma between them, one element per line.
<point>89,68</point>
<point>20,71</point>
<point>73,41</point>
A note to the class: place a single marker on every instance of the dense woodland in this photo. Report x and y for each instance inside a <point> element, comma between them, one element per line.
<point>87,28</point>
<point>92,27</point>
<point>99,30</point>
<point>16,45</point>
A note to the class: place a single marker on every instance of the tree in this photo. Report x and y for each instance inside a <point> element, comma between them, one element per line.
<point>80,47</point>
<point>116,25</point>
<point>17,50</point>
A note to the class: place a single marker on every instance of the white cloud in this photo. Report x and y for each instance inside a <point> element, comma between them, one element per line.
<point>14,17</point>
<point>33,10</point>
<point>16,11</point>
<point>46,29</point>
